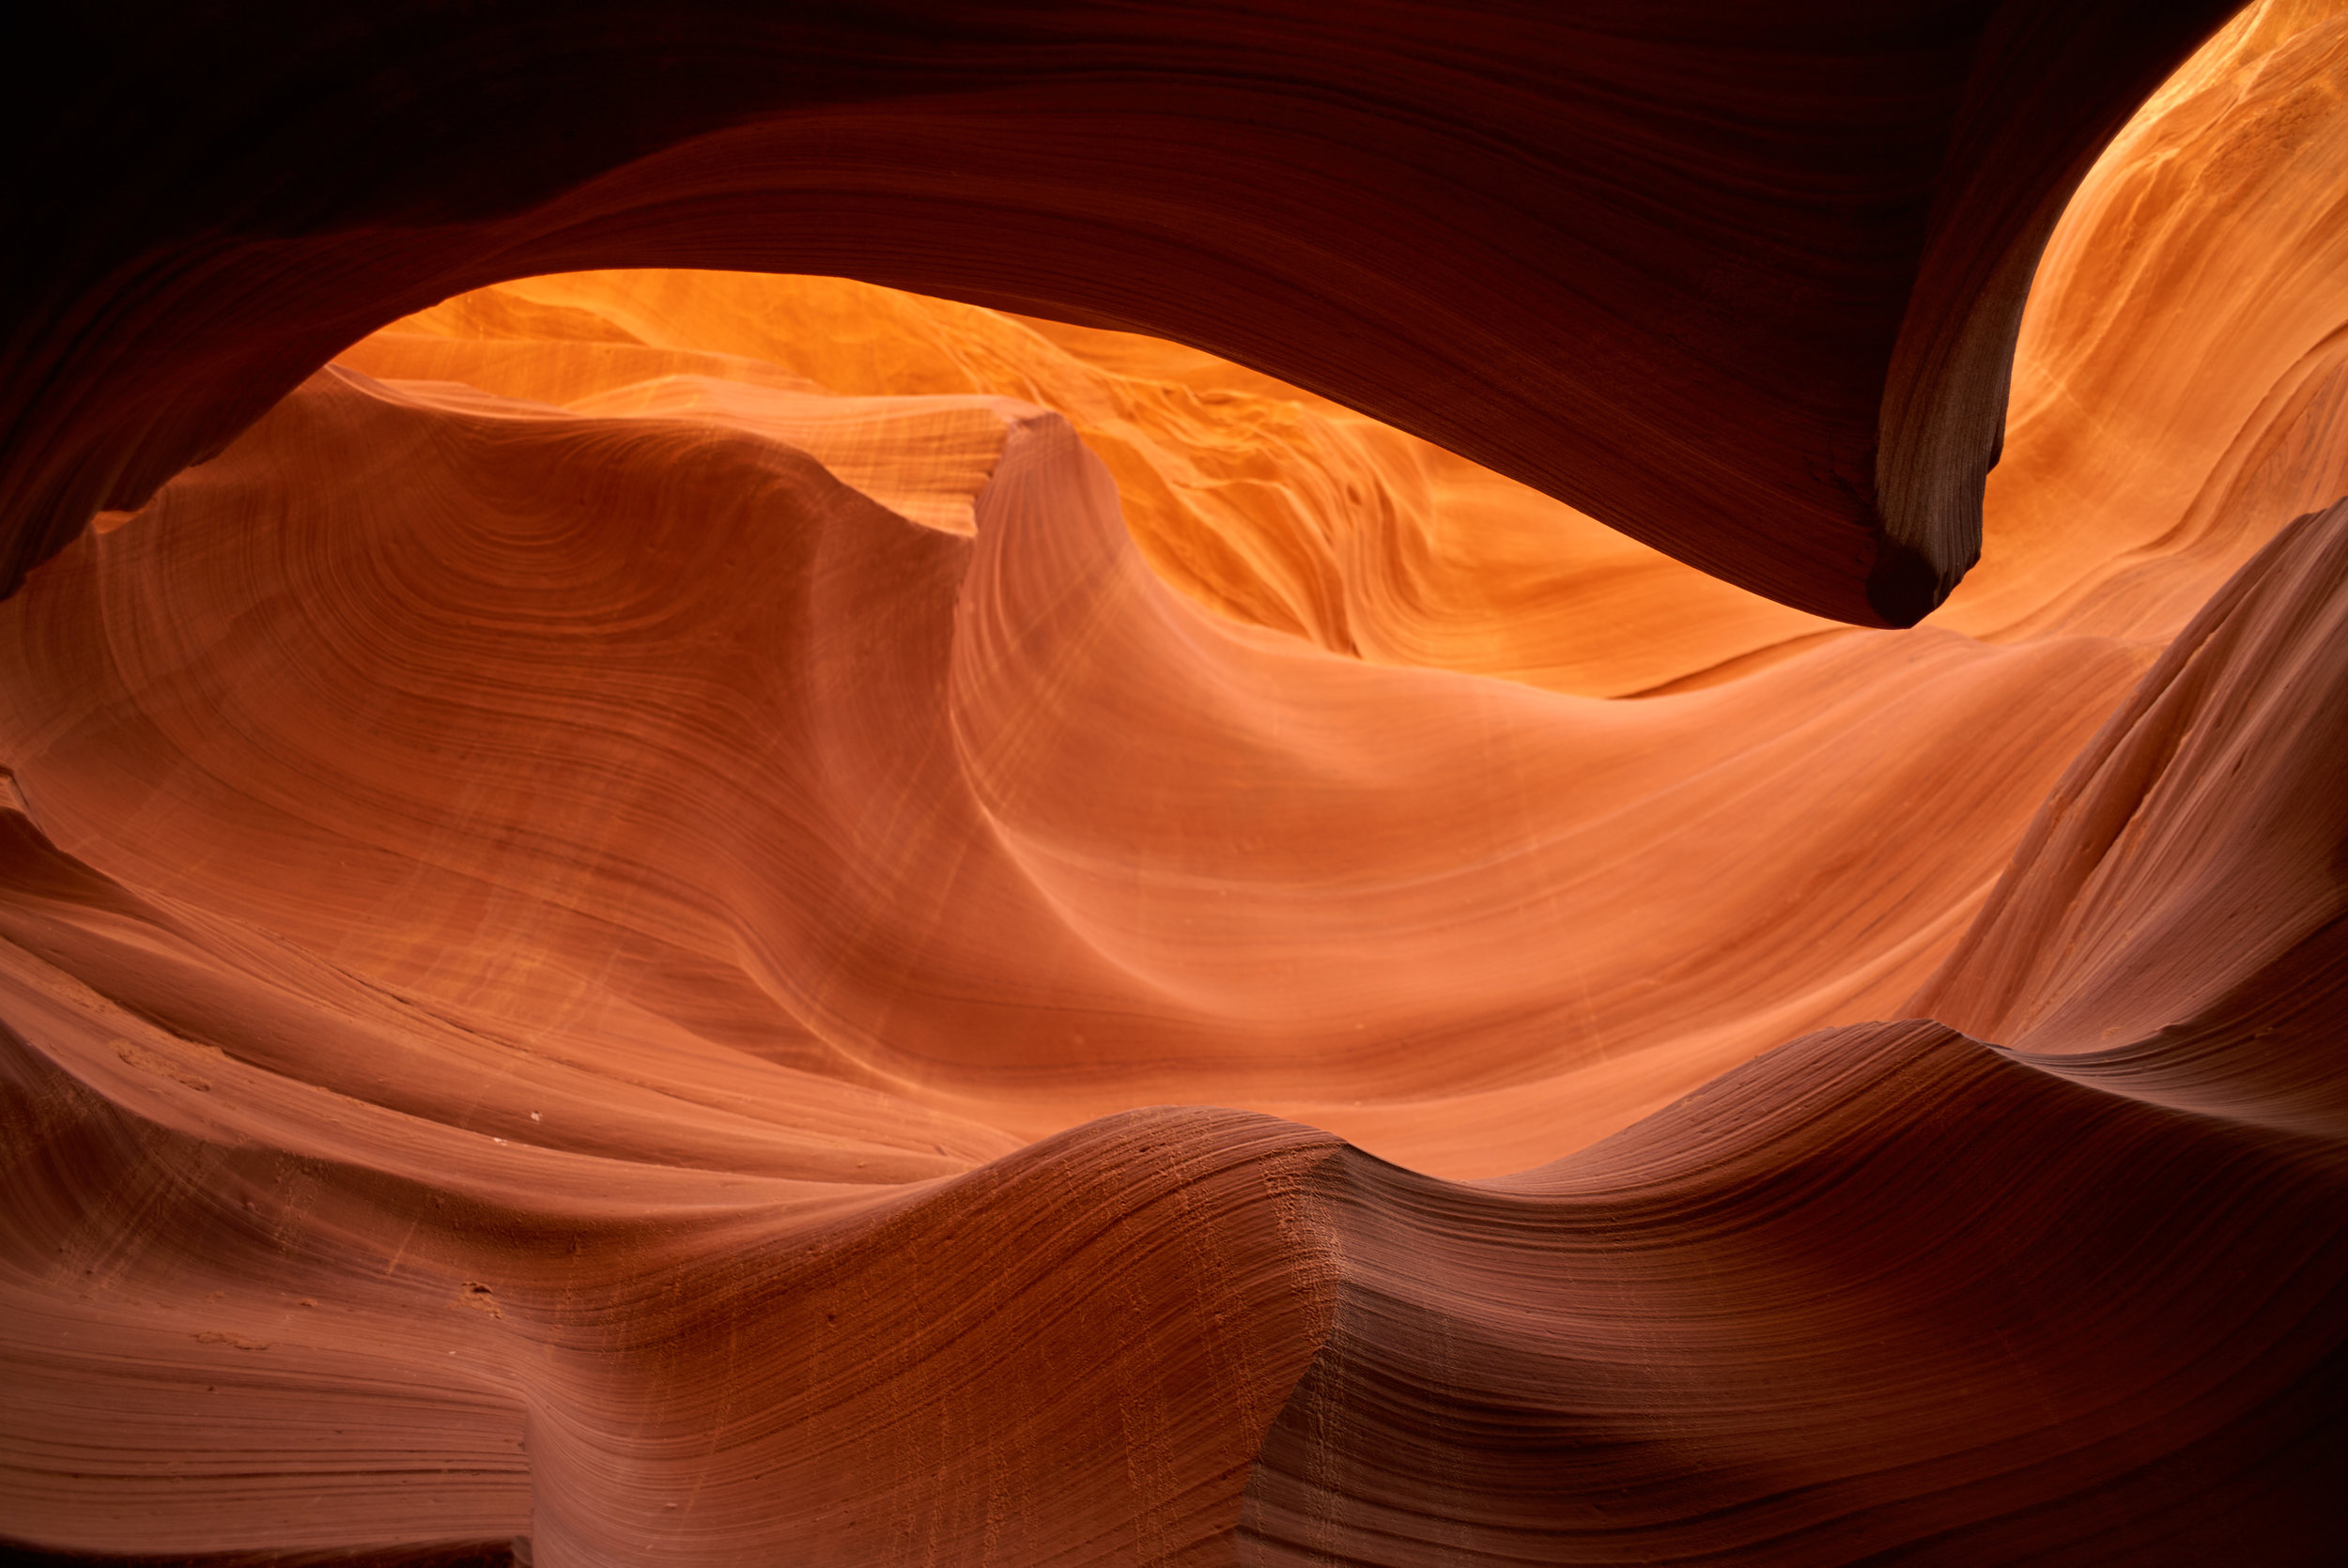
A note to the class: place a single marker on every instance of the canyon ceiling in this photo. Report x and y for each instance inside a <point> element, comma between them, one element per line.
<point>1058,784</point>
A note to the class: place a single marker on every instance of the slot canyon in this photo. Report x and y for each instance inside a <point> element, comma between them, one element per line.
<point>1029,784</point>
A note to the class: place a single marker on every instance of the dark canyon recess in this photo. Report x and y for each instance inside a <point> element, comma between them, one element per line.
<point>1740,281</point>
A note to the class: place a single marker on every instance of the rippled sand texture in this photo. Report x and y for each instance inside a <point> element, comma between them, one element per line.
<point>714,918</point>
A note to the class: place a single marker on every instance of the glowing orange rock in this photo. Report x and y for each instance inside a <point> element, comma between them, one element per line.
<point>697,918</point>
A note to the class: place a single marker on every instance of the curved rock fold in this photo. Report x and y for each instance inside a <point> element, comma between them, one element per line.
<point>710,917</point>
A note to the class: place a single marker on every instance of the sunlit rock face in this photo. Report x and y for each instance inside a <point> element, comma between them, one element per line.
<point>712,917</point>
<point>1742,282</point>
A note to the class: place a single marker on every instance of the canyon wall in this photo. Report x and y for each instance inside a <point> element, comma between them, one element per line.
<point>674,916</point>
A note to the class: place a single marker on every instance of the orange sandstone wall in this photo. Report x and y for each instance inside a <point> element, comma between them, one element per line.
<point>709,917</point>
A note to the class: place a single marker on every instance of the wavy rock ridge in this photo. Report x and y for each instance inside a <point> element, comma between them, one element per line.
<point>719,918</point>
<point>1745,285</point>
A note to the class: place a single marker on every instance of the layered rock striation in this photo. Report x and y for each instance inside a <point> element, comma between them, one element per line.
<point>679,917</point>
<point>1745,285</point>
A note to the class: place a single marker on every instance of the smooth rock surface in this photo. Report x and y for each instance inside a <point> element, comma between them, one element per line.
<point>1742,283</point>
<point>717,918</point>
